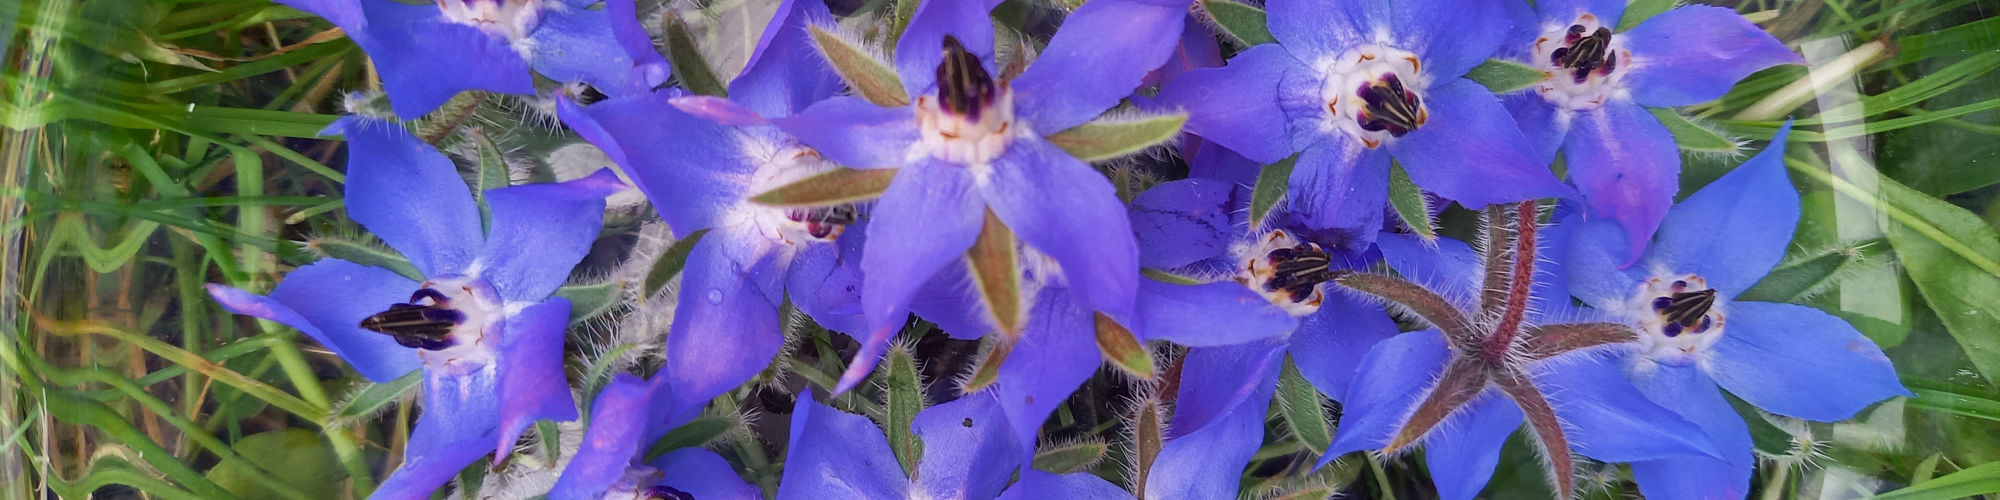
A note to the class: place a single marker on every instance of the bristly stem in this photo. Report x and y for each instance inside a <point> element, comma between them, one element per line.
<point>1518,292</point>
<point>1499,239</point>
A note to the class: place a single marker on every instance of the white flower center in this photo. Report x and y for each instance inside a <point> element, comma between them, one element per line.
<point>513,19</point>
<point>1375,93</point>
<point>1679,315</point>
<point>970,120</point>
<point>1285,272</point>
<point>779,166</point>
<point>1586,64</point>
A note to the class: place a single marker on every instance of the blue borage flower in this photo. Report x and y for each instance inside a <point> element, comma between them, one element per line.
<point>1593,105</point>
<point>1493,356</point>
<point>970,144</point>
<point>700,175</point>
<point>481,325</point>
<point>1351,84</point>
<point>968,453</point>
<point>1788,359</point>
<point>427,53</point>
<point>611,462</point>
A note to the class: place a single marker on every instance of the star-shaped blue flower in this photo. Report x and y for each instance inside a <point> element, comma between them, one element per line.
<point>969,143</point>
<point>481,324</point>
<point>968,453</point>
<point>426,53</point>
<point>1351,85</point>
<point>611,464</point>
<point>701,174</point>
<point>1788,359</point>
<point>1593,105</point>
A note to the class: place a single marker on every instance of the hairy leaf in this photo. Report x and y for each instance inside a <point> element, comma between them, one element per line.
<point>1070,458</point>
<point>1272,183</point>
<point>590,301</point>
<point>698,432</point>
<point>901,403</point>
<point>1505,76</point>
<point>1410,204</point>
<point>996,273</point>
<point>1243,22</point>
<point>671,262</point>
<point>833,187</point>
<point>1104,139</point>
<point>1691,136</point>
<point>1122,348</point>
<point>693,71</point>
<point>1303,412</point>
<point>872,79</point>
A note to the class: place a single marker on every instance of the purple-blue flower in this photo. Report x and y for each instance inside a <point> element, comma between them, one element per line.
<point>969,144</point>
<point>611,462</point>
<point>1788,359</point>
<point>968,452</point>
<point>1593,104</point>
<point>1351,85</point>
<point>426,53</point>
<point>701,174</point>
<point>481,324</point>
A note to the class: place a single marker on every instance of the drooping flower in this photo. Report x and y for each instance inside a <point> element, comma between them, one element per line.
<point>967,453</point>
<point>970,148</point>
<point>1696,338</point>
<point>1592,106</point>
<point>480,324</point>
<point>426,53</point>
<point>701,175</point>
<point>611,464</point>
<point>1492,358</point>
<point>1351,85</point>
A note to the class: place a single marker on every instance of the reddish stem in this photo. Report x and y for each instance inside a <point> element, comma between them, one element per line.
<point>1520,289</point>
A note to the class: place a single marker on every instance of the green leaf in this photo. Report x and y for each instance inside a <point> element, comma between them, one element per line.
<point>872,79</point>
<point>492,174</point>
<point>1690,136</point>
<point>694,72</point>
<point>590,301</point>
<point>1981,479</point>
<point>1104,139</point>
<point>698,432</point>
<point>1640,10</point>
<point>901,403</point>
<point>996,273</point>
<point>671,262</point>
<point>550,436</point>
<point>1798,279</point>
<point>372,398</point>
<point>298,457</point>
<point>1245,23</point>
<point>473,476</point>
<point>1272,184</point>
<point>1307,492</point>
<point>1122,348</point>
<point>1410,204</point>
<point>1167,277</point>
<point>1300,403</point>
<point>905,9</point>
<point>1070,458</point>
<point>1148,438</point>
<point>367,255</point>
<point>833,187</point>
<point>1505,76</point>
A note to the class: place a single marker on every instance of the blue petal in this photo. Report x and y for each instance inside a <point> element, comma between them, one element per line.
<point>1596,252</point>
<point>1544,125</point>
<point>1688,391</point>
<point>1055,354</point>
<point>457,428</point>
<point>1695,53</point>
<point>1799,362</point>
<point>1449,36</point>
<point>969,450</point>
<point>926,219</point>
<point>574,44</point>
<point>1198,48</point>
<point>327,301</point>
<point>1210,314</point>
<point>1208,462</point>
<point>1070,212</point>
<point>1691,478</point>
<point>610,445</point>
<point>1389,382</point>
<point>1446,266</point>
<point>950,300</point>
<point>532,385</point>
<point>1237,105</point>
<point>920,49</point>
<point>1330,343</point>
<point>1628,168</point>
<point>1607,419</point>
<point>409,195</point>
<point>1462,452</point>
<point>649,69</point>
<point>1037,485</point>
<point>725,326</point>
<point>1733,231</point>
<point>346,14</point>
<point>785,74</point>
<point>1103,51</point>
<point>854,132</point>
<point>693,169</point>
<point>1212,161</point>
<point>826,284</point>
<point>540,232</point>
<point>1218,380</point>
<point>703,474</point>
<point>1472,151</point>
<point>1608,12</point>
<point>1185,221</point>
<point>424,59</point>
<point>1316,29</point>
<point>1340,187</point>
<point>837,455</point>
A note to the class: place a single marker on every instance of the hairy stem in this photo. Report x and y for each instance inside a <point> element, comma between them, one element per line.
<point>1521,287</point>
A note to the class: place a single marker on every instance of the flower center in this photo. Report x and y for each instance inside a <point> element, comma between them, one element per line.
<point>1583,64</point>
<point>1375,93</point>
<point>1679,315</point>
<point>823,223</point>
<point>447,318</point>
<point>513,19</point>
<point>969,118</point>
<point>1286,272</point>
<point>791,226</point>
